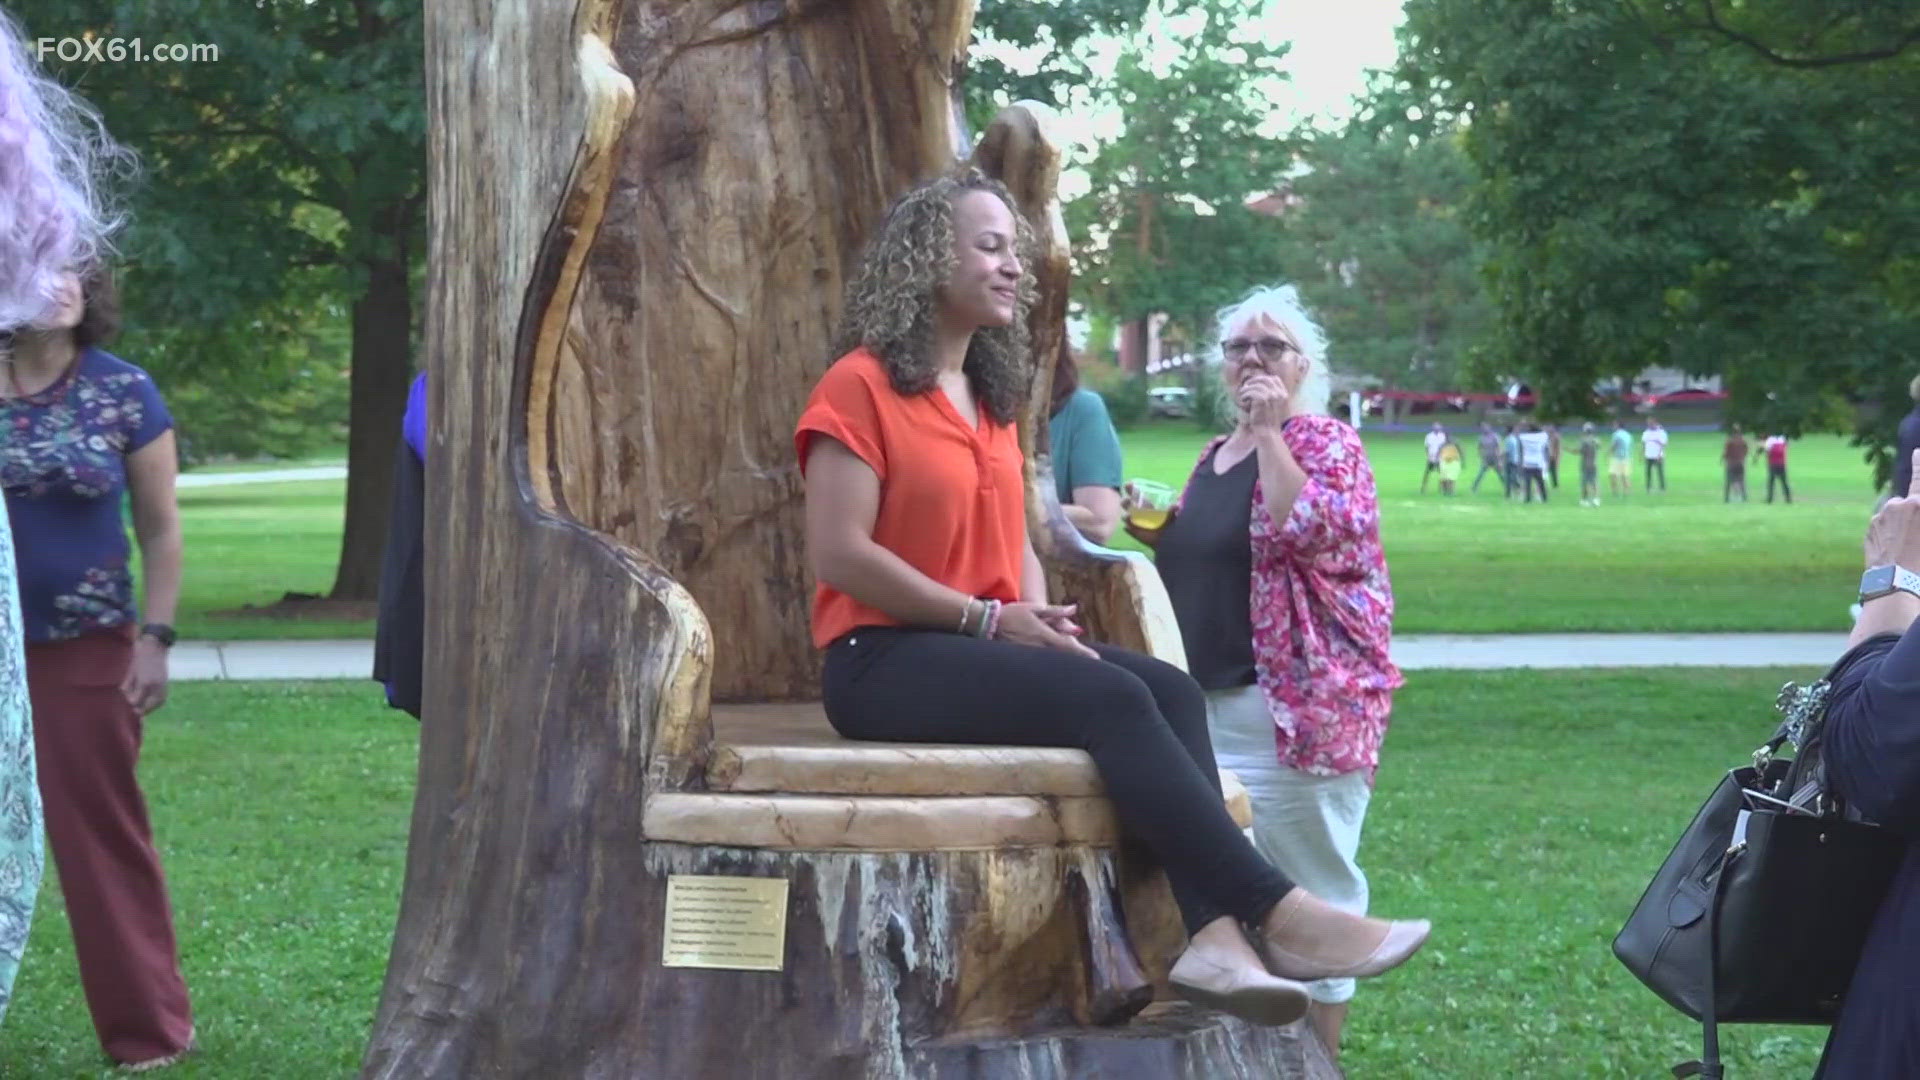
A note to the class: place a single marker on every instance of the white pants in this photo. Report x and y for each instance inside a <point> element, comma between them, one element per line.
<point>1307,826</point>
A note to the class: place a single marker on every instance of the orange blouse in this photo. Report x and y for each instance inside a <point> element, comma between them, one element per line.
<point>952,497</point>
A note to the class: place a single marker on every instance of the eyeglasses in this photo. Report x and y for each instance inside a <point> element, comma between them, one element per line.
<point>1270,348</point>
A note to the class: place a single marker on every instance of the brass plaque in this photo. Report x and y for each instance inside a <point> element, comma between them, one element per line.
<point>738,923</point>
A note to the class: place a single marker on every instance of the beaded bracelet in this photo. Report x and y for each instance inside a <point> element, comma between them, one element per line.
<point>993,621</point>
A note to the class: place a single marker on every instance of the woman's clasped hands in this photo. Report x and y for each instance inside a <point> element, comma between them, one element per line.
<point>1048,626</point>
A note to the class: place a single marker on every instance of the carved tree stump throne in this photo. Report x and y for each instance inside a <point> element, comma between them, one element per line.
<point>642,216</point>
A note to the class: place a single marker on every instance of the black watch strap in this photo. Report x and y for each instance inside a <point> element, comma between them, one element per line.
<point>161,633</point>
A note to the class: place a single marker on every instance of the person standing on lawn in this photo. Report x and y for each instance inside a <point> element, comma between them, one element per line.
<point>1533,460</point>
<point>1619,452</point>
<point>1273,563</point>
<point>53,152</point>
<point>1553,455</point>
<point>1734,456</point>
<point>1436,439</point>
<point>85,429</point>
<point>1451,462</point>
<point>1510,455</point>
<point>399,645</point>
<point>1589,466</point>
<point>1653,444</point>
<point>1490,459</point>
<point>1775,449</point>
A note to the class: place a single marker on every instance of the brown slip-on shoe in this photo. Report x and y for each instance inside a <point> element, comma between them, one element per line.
<point>1307,938</point>
<point>1246,992</point>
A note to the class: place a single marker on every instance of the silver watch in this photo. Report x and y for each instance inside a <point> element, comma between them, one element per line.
<point>1878,581</point>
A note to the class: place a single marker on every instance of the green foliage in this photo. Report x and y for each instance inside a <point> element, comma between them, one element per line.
<point>1164,226</point>
<point>1383,253</point>
<point>1050,36</point>
<point>272,385</point>
<point>1125,395</point>
<point>274,179</point>
<point>1213,409</point>
<point>1656,190</point>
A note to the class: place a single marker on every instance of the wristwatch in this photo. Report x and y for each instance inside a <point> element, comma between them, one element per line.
<point>161,633</point>
<point>1878,581</point>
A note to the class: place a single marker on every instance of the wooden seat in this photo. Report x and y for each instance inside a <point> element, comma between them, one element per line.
<point>778,776</point>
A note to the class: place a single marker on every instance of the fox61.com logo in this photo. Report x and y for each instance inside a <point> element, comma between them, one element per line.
<point>119,50</point>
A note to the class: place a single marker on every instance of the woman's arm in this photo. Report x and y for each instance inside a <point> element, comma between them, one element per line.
<point>843,500</point>
<point>1282,479</point>
<point>1095,511</point>
<point>1033,576</point>
<point>151,471</point>
<point>1872,739</point>
<point>156,525</point>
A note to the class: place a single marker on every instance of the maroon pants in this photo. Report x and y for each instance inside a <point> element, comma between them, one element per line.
<point>87,739</point>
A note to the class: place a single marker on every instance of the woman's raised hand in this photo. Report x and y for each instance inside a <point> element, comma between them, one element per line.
<point>1048,626</point>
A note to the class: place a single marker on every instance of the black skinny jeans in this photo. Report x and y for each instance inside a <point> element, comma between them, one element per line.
<point>1143,720</point>
<point>1532,477</point>
<point>1778,473</point>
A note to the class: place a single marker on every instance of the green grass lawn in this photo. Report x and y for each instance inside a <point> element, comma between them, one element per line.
<point>1678,561</point>
<point>253,543</point>
<point>281,810</point>
<point>1675,561</point>
<point>1523,812</point>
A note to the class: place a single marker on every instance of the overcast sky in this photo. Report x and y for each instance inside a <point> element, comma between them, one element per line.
<point>1333,46</point>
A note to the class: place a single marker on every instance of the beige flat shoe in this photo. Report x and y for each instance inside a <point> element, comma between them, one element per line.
<point>1243,991</point>
<point>1307,938</point>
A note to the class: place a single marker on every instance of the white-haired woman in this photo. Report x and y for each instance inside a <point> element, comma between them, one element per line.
<point>1272,560</point>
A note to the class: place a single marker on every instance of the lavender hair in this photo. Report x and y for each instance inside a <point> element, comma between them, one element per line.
<point>55,156</point>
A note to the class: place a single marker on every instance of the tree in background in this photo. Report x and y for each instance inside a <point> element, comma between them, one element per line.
<point>1725,191</point>
<point>1165,226</point>
<point>1054,34</point>
<point>284,188</point>
<point>1380,247</point>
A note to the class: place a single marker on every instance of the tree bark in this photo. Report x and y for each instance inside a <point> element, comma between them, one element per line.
<point>377,401</point>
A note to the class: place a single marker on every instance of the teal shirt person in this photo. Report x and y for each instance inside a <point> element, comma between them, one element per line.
<point>1084,446</point>
<point>1622,444</point>
<point>21,857</point>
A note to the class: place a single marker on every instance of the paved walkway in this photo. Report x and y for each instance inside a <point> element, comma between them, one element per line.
<point>199,660</point>
<point>263,476</point>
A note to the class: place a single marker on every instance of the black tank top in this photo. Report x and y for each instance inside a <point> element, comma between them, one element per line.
<point>1205,557</point>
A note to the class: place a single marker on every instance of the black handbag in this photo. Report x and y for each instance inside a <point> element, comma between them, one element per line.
<point>1759,913</point>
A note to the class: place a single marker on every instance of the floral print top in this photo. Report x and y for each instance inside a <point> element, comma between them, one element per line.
<point>1322,607</point>
<point>64,470</point>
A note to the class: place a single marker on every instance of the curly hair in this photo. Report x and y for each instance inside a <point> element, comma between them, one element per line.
<point>54,155</point>
<point>892,299</point>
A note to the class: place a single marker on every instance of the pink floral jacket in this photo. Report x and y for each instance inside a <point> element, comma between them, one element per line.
<point>1322,607</point>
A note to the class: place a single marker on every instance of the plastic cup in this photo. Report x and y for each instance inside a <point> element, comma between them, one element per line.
<point>1148,503</point>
